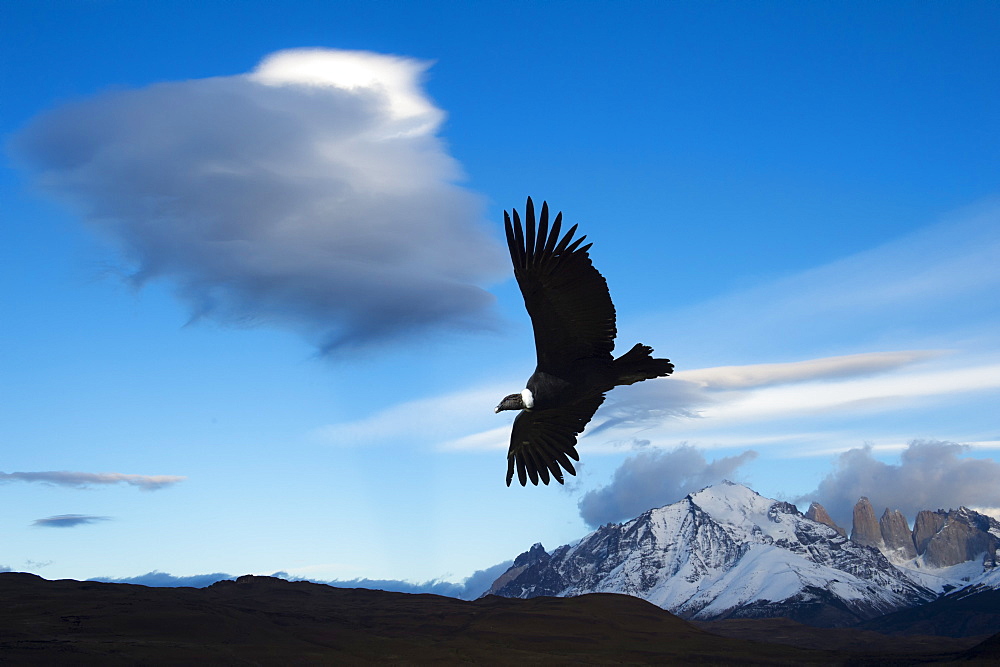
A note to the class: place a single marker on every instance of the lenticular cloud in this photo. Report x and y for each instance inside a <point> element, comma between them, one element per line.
<point>312,192</point>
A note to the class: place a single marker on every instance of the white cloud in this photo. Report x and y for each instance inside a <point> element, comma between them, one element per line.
<point>715,405</point>
<point>397,78</point>
<point>982,444</point>
<point>760,375</point>
<point>312,193</point>
<point>988,511</point>
<point>930,474</point>
<point>852,395</point>
<point>653,479</point>
<point>494,439</point>
<point>884,446</point>
<point>710,407</point>
<point>429,420</point>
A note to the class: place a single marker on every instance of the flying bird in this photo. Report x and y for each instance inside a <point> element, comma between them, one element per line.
<point>574,323</point>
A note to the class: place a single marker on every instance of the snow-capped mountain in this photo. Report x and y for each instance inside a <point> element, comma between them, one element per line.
<point>723,552</point>
<point>946,550</point>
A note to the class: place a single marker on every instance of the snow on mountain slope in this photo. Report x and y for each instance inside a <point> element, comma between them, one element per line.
<point>954,549</point>
<point>724,551</point>
<point>990,579</point>
<point>943,580</point>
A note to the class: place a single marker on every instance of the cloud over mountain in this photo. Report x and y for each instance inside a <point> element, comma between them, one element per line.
<point>311,193</point>
<point>931,474</point>
<point>653,479</point>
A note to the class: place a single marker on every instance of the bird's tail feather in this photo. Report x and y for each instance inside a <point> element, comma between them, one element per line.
<point>638,364</point>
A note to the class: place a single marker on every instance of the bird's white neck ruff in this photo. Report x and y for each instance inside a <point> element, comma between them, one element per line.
<point>528,398</point>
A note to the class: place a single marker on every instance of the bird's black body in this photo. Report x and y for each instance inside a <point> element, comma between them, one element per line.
<point>574,323</point>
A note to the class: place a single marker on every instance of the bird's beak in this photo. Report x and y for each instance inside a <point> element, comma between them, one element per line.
<point>512,402</point>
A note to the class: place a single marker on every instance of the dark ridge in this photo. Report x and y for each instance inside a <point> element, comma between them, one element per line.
<point>270,621</point>
<point>987,652</point>
<point>792,633</point>
<point>959,614</point>
<point>263,620</point>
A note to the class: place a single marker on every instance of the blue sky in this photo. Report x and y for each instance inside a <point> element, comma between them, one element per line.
<point>257,308</point>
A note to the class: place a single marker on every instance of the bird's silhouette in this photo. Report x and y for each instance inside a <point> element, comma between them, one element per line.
<point>574,323</point>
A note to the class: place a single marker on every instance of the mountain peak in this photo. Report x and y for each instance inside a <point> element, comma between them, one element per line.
<point>865,529</point>
<point>723,552</point>
<point>818,513</point>
<point>728,497</point>
<point>745,510</point>
<point>725,487</point>
<point>896,536</point>
<point>946,538</point>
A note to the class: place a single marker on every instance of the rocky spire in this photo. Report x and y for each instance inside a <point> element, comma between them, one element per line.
<point>865,529</point>
<point>818,513</point>
<point>926,526</point>
<point>896,535</point>
<point>948,538</point>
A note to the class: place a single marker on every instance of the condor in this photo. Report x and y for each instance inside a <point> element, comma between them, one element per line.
<point>574,324</point>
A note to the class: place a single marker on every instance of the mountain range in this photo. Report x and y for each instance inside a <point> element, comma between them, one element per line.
<point>724,576</point>
<point>727,552</point>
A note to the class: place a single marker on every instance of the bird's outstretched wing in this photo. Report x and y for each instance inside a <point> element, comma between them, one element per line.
<point>566,297</point>
<point>543,440</point>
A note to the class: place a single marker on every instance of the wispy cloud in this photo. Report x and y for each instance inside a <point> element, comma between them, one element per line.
<point>755,376</point>
<point>710,396</point>
<point>805,416</point>
<point>427,420</point>
<point>311,193</point>
<point>38,564</point>
<point>68,520</point>
<point>931,474</point>
<point>81,480</point>
<point>857,394</point>
<point>653,479</point>
<point>932,288</point>
<point>709,407</point>
<point>926,301</point>
<point>495,438</point>
<point>693,402</point>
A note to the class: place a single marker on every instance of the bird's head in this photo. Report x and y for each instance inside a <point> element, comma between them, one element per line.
<point>521,401</point>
